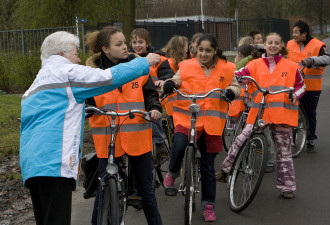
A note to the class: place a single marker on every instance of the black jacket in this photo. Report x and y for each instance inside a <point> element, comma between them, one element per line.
<point>150,94</point>
<point>164,70</point>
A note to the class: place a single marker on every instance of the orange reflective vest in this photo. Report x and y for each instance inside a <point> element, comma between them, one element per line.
<point>212,116</point>
<point>238,105</point>
<point>313,77</point>
<point>135,136</point>
<point>279,109</point>
<point>154,69</point>
<point>169,101</point>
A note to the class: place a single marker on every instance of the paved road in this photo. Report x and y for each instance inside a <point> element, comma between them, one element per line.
<point>311,205</point>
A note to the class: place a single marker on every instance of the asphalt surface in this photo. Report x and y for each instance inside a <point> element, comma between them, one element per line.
<point>310,206</point>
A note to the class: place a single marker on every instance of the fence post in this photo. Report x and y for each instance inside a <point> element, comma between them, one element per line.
<point>22,38</point>
<point>83,37</point>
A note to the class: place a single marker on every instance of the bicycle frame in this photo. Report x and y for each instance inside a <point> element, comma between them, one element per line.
<point>112,169</point>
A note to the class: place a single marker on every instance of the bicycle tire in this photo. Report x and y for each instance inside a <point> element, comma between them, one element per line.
<point>247,173</point>
<point>230,133</point>
<point>110,204</point>
<point>299,134</point>
<point>189,185</point>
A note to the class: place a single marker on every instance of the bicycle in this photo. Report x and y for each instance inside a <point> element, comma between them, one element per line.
<point>191,164</point>
<point>161,162</point>
<point>114,182</point>
<point>233,126</point>
<point>248,169</point>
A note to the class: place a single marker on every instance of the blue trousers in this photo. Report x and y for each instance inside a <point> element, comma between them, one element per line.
<point>157,132</point>
<point>309,102</point>
<point>142,170</point>
<point>208,181</point>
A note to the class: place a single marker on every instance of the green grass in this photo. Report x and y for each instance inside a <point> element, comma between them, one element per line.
<point>10,110</point>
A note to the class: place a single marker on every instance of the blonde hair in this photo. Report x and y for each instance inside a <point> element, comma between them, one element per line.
<point>283,50</point>
<point>95,40</point>
<point>176,49</point>
<point>247,40</point>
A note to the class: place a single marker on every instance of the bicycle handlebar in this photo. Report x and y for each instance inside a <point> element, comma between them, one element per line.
<point>97,111</point>
<point>264,91</point>
<point>198,95</point>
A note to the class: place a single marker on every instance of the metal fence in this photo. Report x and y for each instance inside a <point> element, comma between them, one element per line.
<point>25,41</point>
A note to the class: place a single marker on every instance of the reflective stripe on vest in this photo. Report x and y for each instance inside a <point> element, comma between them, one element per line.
<point>276,105</point>
<point>131,105</point>
<point>124,128</point>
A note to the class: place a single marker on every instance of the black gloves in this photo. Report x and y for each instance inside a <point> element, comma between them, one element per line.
<point>228,93</point>
<point>308,62</point>
<point>169,86</point>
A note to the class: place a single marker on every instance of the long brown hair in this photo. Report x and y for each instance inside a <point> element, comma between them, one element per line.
<point>95,40</point>
<point>176,49</point>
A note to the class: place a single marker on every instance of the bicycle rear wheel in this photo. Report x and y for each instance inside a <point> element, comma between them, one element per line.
<point>189,204</point>
<point>247,173</point>
<point>110,204</point>
<point>231,130</point>
<point>299,134</point>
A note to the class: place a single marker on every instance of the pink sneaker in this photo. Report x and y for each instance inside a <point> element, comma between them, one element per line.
<point>168,181</point>
<point>208,213</point>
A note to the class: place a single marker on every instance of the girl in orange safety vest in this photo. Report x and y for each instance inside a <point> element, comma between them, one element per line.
<point>207,71</point>
<point>134,138</point>
<point>271,71</point>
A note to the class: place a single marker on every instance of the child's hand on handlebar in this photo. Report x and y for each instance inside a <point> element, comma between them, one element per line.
<point>159,83</point>
<point>155,114</point>
<point>293,98</point>
<point>169,87</point>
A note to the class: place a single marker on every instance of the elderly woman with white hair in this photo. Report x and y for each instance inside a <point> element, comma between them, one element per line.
<point>52,118</point>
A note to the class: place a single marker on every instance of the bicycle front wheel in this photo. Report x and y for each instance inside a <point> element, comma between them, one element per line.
<point>110,204</point>
<point>247,173</point>
<point>299,134</point>
<point>189,205</point>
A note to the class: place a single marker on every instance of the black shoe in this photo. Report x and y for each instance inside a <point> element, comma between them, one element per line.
<point>135,201</point>
<point>310,147</point>
<point>161,149</point>
<point>221,176</point>
<point>269,169</point>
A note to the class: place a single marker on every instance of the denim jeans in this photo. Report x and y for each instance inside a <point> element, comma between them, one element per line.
<point>208,181</point>
<point>142,170</point>
<point>157,132</point>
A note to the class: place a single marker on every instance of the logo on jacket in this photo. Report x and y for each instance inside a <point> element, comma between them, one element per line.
<point>222,79</point>
<point>284,74</point>
<point>309,54</point>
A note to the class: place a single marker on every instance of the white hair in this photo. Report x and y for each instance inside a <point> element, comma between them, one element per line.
<point>60,41</point>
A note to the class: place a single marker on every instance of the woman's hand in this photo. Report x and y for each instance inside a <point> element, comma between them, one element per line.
<point>153,59</point>
<point>155,115</point>
<point>159,83</point>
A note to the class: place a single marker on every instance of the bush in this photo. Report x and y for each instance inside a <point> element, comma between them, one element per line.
<point>18,71</point>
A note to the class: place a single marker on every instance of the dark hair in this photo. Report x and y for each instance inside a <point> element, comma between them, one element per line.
<point>214,44</point>
<point>252,33</point>
<point>95,40</point>
<point>246,50</point>
<point>303,27</point>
